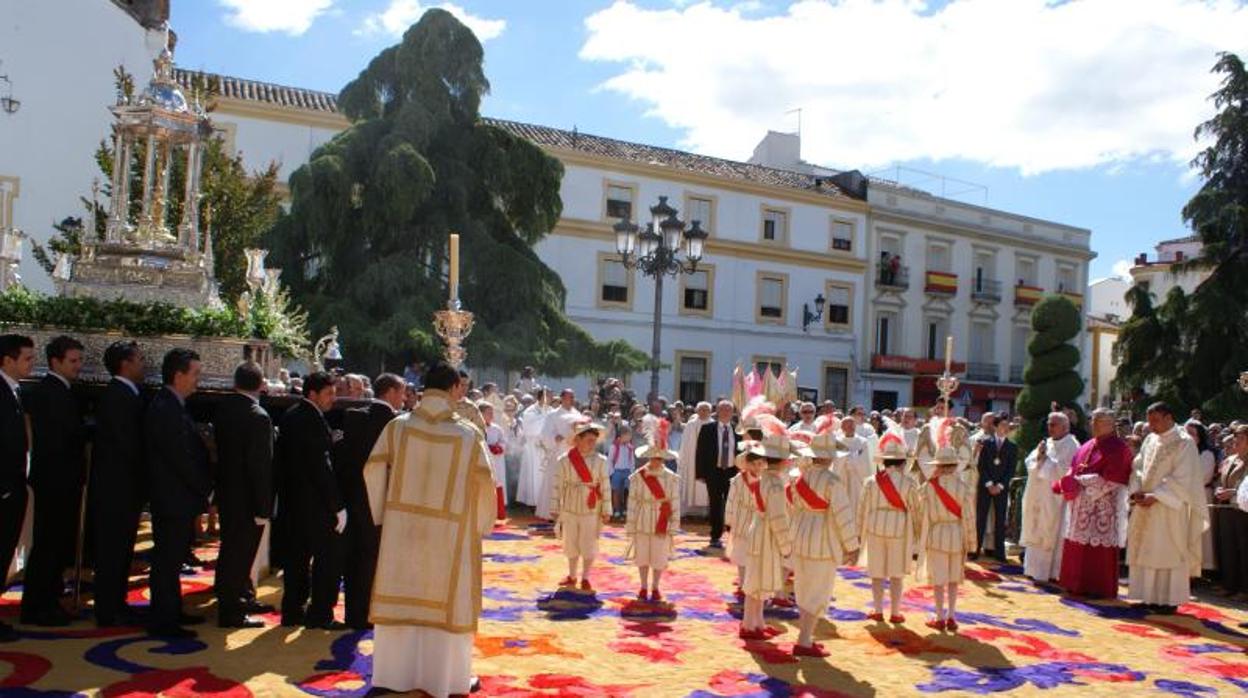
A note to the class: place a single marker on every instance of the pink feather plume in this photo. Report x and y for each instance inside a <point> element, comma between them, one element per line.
<point>771,425</point>
<point>825,424</point>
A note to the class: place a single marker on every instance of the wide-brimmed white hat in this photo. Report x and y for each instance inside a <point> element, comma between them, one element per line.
<point>585,425</point>
<point>651,450</point>
<point>945,455</point>
<point>778,446</point>
<point>892,447</point>
<point>826,444</point>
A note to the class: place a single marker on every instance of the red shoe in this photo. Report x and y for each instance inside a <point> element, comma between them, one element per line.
<point>951,625</point>
<point>568,582</point>
<point>815,650</point>
<point>782,603</point>
<point>740,595</point>
<point>586,586</point>
<point>751,634</point>
<point>770,631</point>
<point>935,624</point>
<point>655,596</point>
<point>643,595</point>
<point>877,617</point>
<point>896,619</point>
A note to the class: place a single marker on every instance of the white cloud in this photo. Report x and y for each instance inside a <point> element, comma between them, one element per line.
<point>1122,269</point>
<point>401,14</point>
<point>1035,85</point>
<point>290,16</point>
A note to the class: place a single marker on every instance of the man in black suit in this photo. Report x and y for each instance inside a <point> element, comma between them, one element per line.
<point>361,427</point>
<point>997,458</point>
<point>715,463</point>
<point>177,462</point>
<point>57,473</point>
<point>244,492</point>
<point>117,492</point>
<point>310,509</point>
<point>17,360</point>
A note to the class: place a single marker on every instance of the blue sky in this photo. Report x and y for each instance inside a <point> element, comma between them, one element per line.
<point>1080,113</point>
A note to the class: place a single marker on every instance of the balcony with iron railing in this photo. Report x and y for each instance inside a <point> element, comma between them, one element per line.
<point>1016,373</point>
<point>979,371</point>
<point>985,290</point>
<point>890,279</point>
<point>941,283</point>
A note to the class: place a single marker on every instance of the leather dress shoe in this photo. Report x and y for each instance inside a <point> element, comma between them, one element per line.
<point>240,622</point>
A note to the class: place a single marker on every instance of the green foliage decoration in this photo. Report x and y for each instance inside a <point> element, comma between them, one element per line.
<point>1051,374</point>
<point>270,318</point>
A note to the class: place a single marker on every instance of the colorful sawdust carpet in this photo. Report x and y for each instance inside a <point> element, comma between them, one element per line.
<point>534,641</point>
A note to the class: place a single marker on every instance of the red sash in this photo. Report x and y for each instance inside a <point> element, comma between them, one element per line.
<point>582,471</point>
<point>808,495</point>
<point>945,498</point>
<point>665,507</point>
<point>756,490</point>
<point>496,449</point>
<point>889,490</point>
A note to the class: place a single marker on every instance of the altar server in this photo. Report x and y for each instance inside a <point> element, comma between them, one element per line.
<point>653,509</point>
<point>888,521</point>
<point>947,508</point>
<point>580,500</point>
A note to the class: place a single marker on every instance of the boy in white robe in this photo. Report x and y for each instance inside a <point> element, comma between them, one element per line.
<point>737,513</point>
<point>947,509</point>
<point>768,534</point>
<point>496,444</point>
<point>824,533</point>
<point>888,522</point>
<point>580,500</point>
<point>653,516</point>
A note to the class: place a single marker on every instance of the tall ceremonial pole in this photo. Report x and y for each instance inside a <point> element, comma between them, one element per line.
<point>454,324</point>
<point>948,382</point>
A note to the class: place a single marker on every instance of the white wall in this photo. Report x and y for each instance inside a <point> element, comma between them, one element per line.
<point>60,56</point>
<point>731,335</point>
<point>262,141</point>
<point>1107,297</point>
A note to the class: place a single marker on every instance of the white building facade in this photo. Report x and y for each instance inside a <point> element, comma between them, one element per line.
<point>941,267</point>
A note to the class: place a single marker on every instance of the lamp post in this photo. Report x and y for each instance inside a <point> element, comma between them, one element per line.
<point>655,251</point>
<point>809,317</point>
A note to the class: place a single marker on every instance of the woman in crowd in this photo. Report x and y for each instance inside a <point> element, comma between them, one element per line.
<point>1208,477</point>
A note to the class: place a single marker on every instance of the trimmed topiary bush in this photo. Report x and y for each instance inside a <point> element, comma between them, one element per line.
<point>1051,374</point>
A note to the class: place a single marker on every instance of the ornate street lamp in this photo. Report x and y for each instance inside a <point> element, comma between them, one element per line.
<point>656,251</point>
<point>809,317</point>
<point>7,102</point>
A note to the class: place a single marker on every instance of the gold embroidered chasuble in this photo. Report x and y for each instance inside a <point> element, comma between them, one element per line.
<point>431,489</point>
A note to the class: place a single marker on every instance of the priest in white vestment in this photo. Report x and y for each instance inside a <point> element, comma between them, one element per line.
<point>532,419</point>
<point>1044,510</point>
<point>431,490</point>
<point>692,490</point>
<point>863,428</point>
<point>1168,515</point>
<point>556,440</point>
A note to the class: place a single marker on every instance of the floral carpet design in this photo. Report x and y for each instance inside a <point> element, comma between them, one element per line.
<point>535,640</point>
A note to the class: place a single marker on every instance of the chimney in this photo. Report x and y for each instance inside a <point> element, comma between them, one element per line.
<point>1141,259</point>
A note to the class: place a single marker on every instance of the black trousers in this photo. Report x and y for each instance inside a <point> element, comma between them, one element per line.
<point>982,501</point>
<point>240,540</point>
<point>114,527</point>
<point>1230,527</point>
<point>717,494</point>
<point>172,535</point>
<point>12,516</point>
<point>53,542</point>
<point>313,566</point>
<point>361,541</point>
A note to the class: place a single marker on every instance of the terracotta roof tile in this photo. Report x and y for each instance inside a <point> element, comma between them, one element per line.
<point>312,100</point>
<point>255,91</point>
<point>667,157</point>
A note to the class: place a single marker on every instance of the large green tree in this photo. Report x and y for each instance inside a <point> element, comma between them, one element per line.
<point>365,244</point>
<point>1190,348</point>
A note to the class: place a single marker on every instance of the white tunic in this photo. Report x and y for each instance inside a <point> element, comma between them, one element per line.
<point>496,440</point>
<point>531,422</point>
<point>692,490</point>
<point>1043,511</point>
<point>556,430</point>
<point>1163,540</point>
<point>855,467</point>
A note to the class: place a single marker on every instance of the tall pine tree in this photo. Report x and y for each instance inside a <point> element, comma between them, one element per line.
<point>1191,348</point>
<point>364,246</point>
